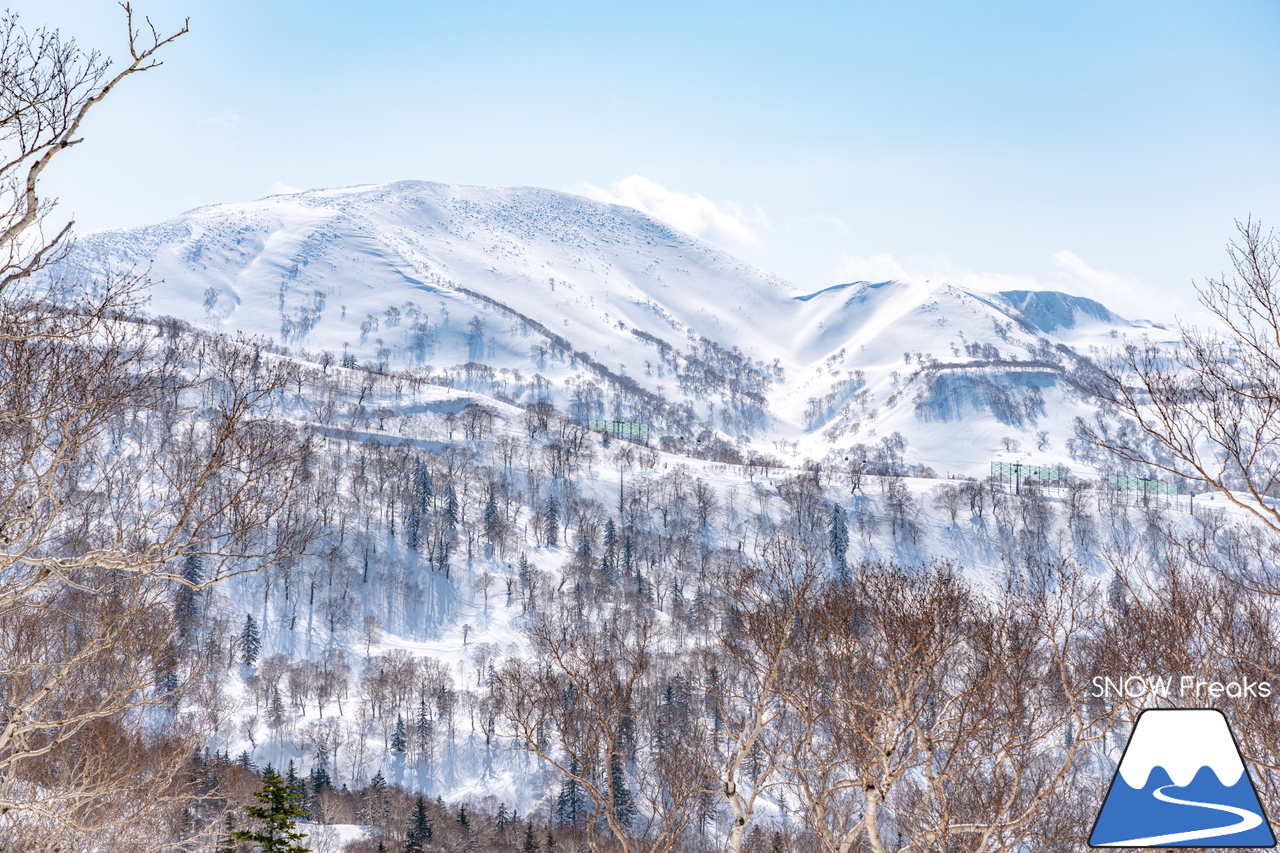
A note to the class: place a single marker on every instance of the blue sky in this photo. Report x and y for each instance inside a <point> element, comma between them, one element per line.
<point>1099,147</point>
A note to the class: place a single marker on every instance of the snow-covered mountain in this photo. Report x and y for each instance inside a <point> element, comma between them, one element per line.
<point>526,293</point>
<point>449,529</point>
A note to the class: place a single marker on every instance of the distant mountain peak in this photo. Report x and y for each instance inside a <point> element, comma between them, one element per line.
<point>1051,310</point>
<point>609,313</point>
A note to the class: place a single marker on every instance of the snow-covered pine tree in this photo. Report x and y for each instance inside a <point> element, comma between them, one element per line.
<point>571,803</point>
<point>275,709</point>
<point>624,806</point>
<point>226,842</point>
<point>250,641</point>
<point>167,681</point>
<point>552,515</point>
<point>451,508</point>
<point>319,783</point>
<point>491,517</point>
<point>399,743</point>
<point>610,535</point>
<point>374,806</point>
<point>187,605</point>
<point>839,535</point>
<point>418,505</point>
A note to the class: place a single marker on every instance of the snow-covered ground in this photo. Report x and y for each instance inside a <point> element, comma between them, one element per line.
<point>416,274</point>
<point>428,298</point>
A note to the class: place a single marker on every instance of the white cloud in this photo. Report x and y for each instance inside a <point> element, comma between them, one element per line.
<point>880,267</point>
<point>1096,284</point>
<point>227,119</point>
<point>1123,294</point>
<point>692,213</point>
<point>281,188</point>
<point>990,282</point>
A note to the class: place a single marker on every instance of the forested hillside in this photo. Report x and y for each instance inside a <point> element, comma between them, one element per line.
<point>419,517</point>
<point>464,583</point>
<point>568,634</point>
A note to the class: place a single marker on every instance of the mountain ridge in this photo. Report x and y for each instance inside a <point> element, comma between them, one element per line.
<point>612,310</point>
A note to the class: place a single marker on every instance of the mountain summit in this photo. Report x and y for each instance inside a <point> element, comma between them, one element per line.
<point>614,314</point>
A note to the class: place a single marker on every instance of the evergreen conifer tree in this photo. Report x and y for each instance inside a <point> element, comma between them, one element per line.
<point>275,709</point>
<point>839,529</point>
<point>413,527</point>
<point>187,606</point>
<point>250,641</point>
<point>530,844</point>
<point>425,730</point>
<point>451,513</point>
<point>491,516</point>
<point>418,505</point>
<point>442,556</point>
<point>624,807</point>
<point>553,522</point>
<point>226,840</point>
<point>571,803</point>
<point>167,681</point>
<point>419,832</point>
<point>321,781</point>
<point>373,812</point>
<point>297,787</point>
<point>422,483</point>
<point>278,813</point>
<point>398,743</point>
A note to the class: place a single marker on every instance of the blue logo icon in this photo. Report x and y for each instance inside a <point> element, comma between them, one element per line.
<point>1181,783</point>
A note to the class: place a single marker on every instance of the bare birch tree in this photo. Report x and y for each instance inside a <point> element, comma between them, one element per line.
<point>928,718</point>
<point>119,458</point>
<point>1207,410</point>
<point>576,704</point>
<point>754,662</point>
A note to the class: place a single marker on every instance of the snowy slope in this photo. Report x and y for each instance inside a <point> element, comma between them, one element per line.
<point>508,296</point>
<point>557,257</point>
<point>592,299</point>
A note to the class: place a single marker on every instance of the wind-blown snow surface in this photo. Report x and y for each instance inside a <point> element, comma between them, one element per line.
<point>566,297</point>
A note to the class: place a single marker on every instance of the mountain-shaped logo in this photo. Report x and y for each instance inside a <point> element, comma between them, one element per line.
<point>1181,783</point>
